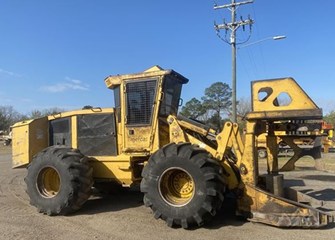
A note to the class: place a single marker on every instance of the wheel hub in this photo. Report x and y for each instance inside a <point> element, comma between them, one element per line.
<point>176,187</point>
<point>48,182</point>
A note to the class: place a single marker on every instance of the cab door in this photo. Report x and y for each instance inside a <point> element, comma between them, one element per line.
<point>140,101</point>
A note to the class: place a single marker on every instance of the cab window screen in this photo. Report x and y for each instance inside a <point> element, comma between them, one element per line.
<point>60,132</point>
<point>97,134</point>
<point>170,102</point>
<point>140,100</point>
<point>117,103</point>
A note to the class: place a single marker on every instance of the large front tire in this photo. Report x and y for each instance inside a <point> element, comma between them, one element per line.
<point>59,180</point>
<point>182,185</point>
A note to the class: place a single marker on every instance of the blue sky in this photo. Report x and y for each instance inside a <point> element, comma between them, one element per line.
<point>57,53</point>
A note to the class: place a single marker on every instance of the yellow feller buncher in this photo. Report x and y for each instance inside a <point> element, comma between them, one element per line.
<point>184,168</point>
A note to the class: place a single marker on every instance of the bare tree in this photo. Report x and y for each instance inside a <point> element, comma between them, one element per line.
<point>243,107</point>
<point>44,112</point>
<point>8,116</point>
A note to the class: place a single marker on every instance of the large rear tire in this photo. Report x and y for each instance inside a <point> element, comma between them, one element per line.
<point>59,180</point>
<point>183,185</point>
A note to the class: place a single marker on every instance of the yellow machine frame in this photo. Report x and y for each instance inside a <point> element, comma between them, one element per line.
<point>260,197</point>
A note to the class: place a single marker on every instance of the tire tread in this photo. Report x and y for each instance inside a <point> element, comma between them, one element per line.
<point>81,181</point>
<point>210,169</point>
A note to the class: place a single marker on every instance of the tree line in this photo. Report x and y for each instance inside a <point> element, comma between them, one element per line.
<point>9,116</point>
<point>215,106</point>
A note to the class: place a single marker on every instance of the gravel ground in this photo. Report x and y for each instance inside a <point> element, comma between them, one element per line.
<point>123,216</point>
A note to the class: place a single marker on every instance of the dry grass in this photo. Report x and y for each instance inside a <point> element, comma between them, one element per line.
<point>329,162</point>
<point>326,163</point>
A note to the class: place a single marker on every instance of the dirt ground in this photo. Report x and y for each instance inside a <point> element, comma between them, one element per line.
<point>123,216</point>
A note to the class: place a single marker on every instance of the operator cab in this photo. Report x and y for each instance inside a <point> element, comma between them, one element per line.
<point>142,99</point>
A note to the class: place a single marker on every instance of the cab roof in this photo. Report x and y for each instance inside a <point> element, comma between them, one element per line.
<point>155,71</point>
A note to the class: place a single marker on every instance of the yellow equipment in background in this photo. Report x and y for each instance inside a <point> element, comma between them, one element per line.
<point>184,167</point>
<point>328,141</point>
<point>300,146</point>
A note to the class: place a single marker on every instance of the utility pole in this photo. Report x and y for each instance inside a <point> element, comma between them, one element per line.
<point>233,26</point>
